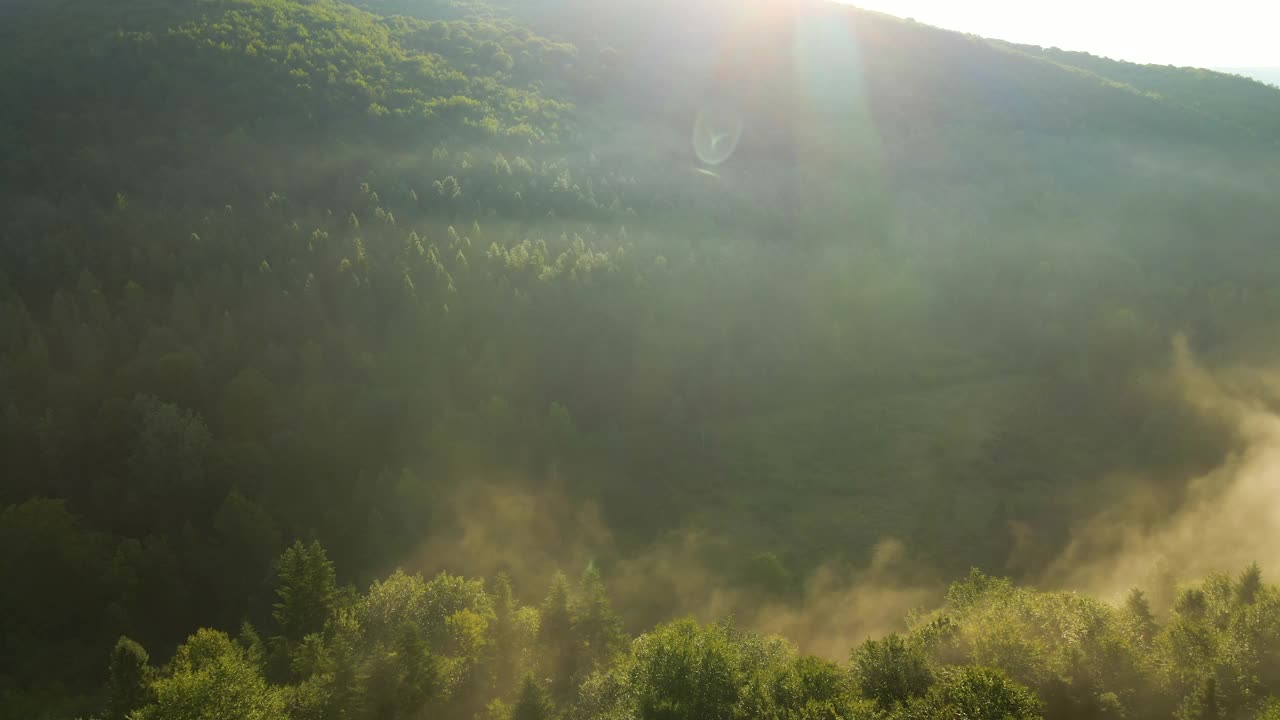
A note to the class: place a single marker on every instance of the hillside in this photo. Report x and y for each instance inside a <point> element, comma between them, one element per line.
<point>443,285</point>
<point>1240,103</point>
<point>1270,76</point>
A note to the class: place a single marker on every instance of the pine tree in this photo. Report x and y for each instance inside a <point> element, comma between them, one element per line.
<point>1249,585</point>
<point>307,589</point>
<point>533,702</point>
<point>556,636</point>
<point>506,651</point>
<point>129,675</point>
<point>1140,613</point>
<point>597,627</point>
<point>254,650</point>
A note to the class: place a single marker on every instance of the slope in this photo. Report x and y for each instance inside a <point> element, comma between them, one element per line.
<point>1242,103</point>
<point>277,269</point>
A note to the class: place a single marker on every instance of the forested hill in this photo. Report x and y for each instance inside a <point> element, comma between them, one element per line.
<point>1270,76</point>
<point>444,285</point>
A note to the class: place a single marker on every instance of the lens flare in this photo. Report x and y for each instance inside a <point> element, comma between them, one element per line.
<point>716,133</point>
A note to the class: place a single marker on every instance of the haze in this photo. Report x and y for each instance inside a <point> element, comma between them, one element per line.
<point>637,360</point>
<point>1229,34</point>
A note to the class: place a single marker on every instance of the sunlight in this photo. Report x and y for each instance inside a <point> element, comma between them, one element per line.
<point>1233,33</point>
<point>639,359</point>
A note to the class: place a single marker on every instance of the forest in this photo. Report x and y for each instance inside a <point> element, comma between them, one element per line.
<point>408,358</point>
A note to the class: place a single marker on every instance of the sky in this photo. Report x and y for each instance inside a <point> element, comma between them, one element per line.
<point>1221,34</point>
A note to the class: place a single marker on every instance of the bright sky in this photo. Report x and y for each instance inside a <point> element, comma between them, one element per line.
<point>1221,33</point>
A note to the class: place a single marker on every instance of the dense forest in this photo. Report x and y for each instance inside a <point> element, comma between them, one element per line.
<point>1268,75</point>
<point>408,358</point>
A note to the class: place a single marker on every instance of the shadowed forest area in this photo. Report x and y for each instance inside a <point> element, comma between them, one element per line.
<point>415,358</point>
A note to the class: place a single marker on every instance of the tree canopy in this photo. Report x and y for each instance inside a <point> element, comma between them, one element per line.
<point>330,330</point>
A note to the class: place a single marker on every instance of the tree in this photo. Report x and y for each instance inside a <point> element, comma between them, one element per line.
<point>168,461</point>
<point>1139,612</point>
<point>817,689</point>
<point>597,628</point>
<point>557,638</point>
<point>212,680</point>
<point>685,672</point>
<point>1250,584</point>
<point>128,679</point>
<point>405,677</point>
<point>249,543</point>
<point>1202,703</point>
<point>973,693</point>
<point>1192,604</point>
<point>891,671</point>
<point>251,643</point>
<point>306,588</point>
<point>533,702</point>
<point>53,590</point>
<point>1270,710</point>
<point>1210,706</point>
<point>766,572</point>
<point>449,600</point>
<point>506,646</point>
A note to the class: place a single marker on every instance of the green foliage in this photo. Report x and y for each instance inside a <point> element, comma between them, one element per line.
<point>767,572</point>
<point>306,590</point>
<point>1082,657</point>
<point>533,702</point>
<point>507,644</point>
<point>388,654</point>
<point>212,680</point>
<point>255,651</point>
<point>1269,711</point>
<point>594,623</point>
<point>891,671</point>
<point>438,609</point>
<point>683,671</point>
<point>403,676</point>
<point>1249,584</point>
<point>57,591</point>
<point>816,689</point>
<point>974,693</point>
<point>128,680</point>
<point>1140,616</point>
<point>279,269</point>
<point>556,637</point>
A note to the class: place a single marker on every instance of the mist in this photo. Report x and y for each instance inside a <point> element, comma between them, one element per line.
<point>1191,527</point>
<point>488,359</point>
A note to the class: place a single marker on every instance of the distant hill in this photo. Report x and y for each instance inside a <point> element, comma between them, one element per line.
<point>1238,101</point>
<point>1269,75</point>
